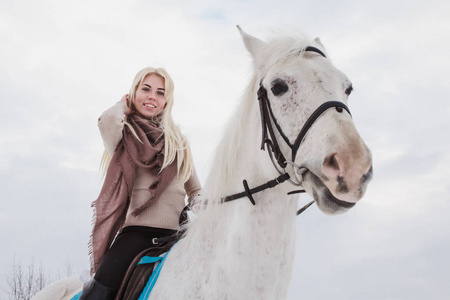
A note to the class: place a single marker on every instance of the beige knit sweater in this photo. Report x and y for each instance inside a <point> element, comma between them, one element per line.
<point>165,212</point>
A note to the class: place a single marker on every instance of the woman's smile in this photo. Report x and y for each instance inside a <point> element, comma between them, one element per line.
<point>150,97</point>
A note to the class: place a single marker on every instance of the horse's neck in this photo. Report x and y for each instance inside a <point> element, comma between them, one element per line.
<point>249,248</point>
<point>239,157</point>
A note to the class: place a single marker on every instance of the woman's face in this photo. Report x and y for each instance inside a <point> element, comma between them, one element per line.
<point>149,99</point>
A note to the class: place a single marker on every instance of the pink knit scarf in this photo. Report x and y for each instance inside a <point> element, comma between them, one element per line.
<point>111,206</point>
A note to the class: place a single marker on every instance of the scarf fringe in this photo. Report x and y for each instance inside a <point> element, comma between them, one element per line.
<point>95,257</point>
<point>91,238</point>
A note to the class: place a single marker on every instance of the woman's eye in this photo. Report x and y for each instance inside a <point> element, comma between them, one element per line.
<point>146,89</point>
<point>161,94</point>
<point>279,87</point>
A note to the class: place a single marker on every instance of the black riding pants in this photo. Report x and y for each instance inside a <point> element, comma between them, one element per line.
<point>131,241</point>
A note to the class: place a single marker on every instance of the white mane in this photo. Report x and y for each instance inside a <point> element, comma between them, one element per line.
<point>232,154</point>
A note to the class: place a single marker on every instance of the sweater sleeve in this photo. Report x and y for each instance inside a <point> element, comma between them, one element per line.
<point>110,124</point>
<point>192,186</point>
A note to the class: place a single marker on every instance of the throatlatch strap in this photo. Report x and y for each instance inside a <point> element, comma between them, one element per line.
<point>249,192</point>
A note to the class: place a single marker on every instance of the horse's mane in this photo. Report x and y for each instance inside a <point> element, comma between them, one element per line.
<point>232,150</point>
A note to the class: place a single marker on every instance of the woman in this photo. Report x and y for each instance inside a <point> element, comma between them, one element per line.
<point>148,176</point>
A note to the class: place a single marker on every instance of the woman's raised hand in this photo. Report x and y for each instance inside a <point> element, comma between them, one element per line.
<point>125,99</point>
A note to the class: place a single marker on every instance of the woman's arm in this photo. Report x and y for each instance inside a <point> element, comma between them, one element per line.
<point>192,186</point>
<point>110,124</point>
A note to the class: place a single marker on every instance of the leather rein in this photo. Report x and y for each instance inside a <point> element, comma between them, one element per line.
<point>270,142</point>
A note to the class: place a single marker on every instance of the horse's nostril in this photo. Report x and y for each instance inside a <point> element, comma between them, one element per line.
<point>368,176</point>
<point>333,166</point>
<point>331,162</point>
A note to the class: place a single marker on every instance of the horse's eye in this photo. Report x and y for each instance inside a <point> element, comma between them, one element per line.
<point>279,87</point>
<point>349,90</point>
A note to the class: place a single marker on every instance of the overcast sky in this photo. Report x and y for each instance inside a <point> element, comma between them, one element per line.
<point>62,63</point>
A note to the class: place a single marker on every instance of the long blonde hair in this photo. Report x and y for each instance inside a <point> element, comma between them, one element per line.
<point>176,145</point>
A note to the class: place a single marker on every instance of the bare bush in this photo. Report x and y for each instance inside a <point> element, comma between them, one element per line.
<point>24,284</point>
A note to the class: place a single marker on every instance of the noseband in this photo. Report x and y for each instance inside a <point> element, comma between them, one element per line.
<point>270,142</point>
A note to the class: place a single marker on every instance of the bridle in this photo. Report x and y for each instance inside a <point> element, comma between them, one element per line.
<point>270,143</point>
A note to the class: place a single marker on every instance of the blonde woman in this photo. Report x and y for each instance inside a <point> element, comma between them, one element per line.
<point>149,173</point>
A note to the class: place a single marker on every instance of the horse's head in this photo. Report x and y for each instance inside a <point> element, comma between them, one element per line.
<point>331,160</point>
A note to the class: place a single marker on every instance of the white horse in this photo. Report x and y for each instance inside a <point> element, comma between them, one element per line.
<point>236,250</point>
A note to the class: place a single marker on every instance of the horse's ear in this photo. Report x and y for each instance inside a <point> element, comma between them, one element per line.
<point>251,43</point>
<point>319,42</point>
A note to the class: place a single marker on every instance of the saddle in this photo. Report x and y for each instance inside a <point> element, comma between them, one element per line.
<point>140,271</point>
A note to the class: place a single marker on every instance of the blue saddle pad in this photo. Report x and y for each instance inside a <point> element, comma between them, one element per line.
<point>151,281</point>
